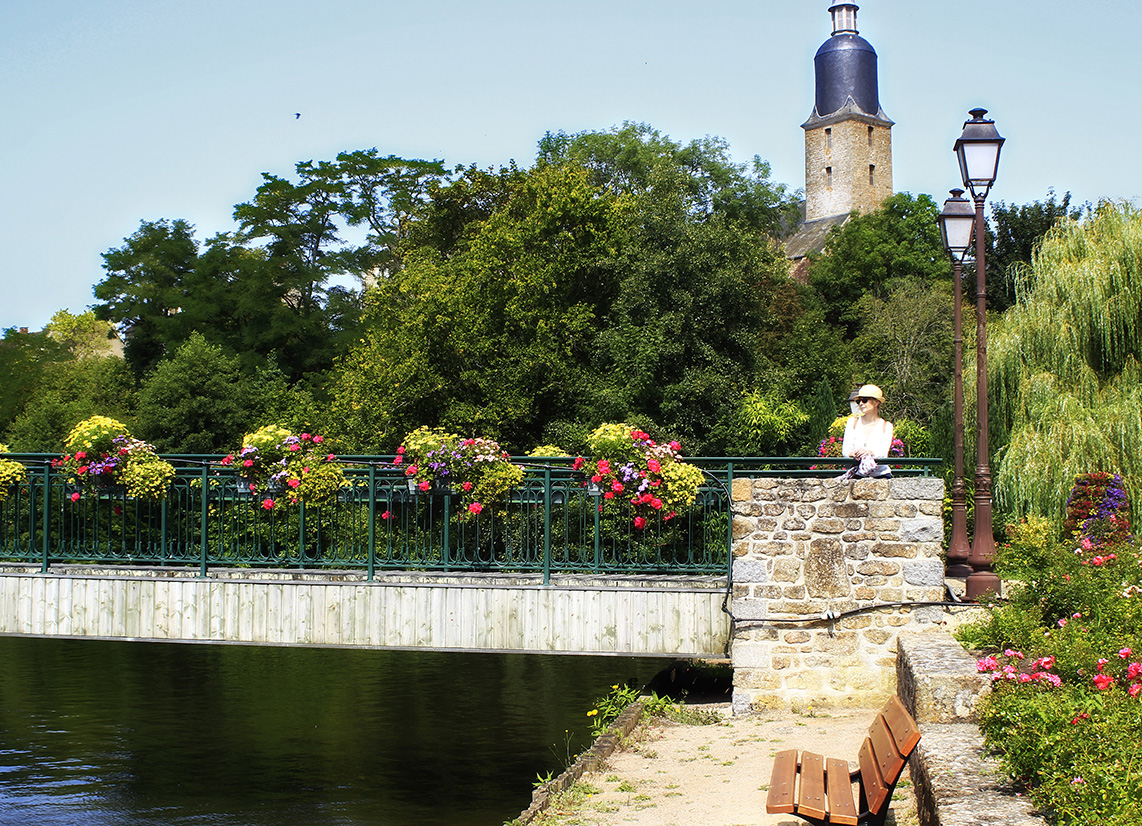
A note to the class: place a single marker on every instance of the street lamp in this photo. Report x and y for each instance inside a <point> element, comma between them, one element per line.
<point>978,152</point>
<point>957,222</point>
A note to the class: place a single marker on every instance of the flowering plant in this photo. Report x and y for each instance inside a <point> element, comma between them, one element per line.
<point>101,451</point>
<point>832,444</point>
<point>11,474</point>
<point>273,461</point>
<point>1098,512</point>
<point>627,464</point>
<point>476,469</point>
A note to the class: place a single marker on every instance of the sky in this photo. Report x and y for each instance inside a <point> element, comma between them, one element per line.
<point>120,111</point>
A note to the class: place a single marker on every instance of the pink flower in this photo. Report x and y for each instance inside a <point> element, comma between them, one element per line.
<point>653,466</point>
<point>1101,662</point>
<point>1134,670</point>
<point>331,458</point>
<point>604,466</point>
<point>79,454</point>
<point>268,504</point>
<point>609,495</point>
<point>596,478</point>
<point>248,463</point>
<point>75,497</point>
<point>617,487</point>
<point>305,437</point>
<point>1062,623</point>
<point>1103,681</point>
<point>639,522</point>
<point>467,486</point>
<point>386,515</point>
<point>229,460</point>
<point>293,483</point>
<point>475,507</point>
<point>425,485</point>
<point>398,460</point>
<point>675,446</point>
<point>318,439</point>
<point>1135,689</point>
<point>400,450</point>
<point>1124,653</point>
<point>294,448</point>
<point>411,470</point>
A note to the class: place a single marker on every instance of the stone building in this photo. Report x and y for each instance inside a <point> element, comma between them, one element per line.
<point>848,138</point>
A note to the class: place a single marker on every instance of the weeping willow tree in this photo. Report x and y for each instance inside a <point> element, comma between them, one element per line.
<point>1066,365</point>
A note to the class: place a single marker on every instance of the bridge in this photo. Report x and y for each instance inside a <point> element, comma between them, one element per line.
<point>548,571</point>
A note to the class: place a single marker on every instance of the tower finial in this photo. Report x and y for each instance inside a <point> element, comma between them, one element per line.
<point>844,18</point>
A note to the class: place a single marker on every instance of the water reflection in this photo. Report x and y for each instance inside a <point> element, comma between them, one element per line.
<point>118,733</point>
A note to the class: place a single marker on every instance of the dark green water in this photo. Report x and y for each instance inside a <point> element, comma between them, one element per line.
<point>134,734</point>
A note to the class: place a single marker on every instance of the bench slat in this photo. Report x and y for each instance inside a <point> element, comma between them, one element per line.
<point>905,733</point>
<point>890,761</point>
<point>871,782</point>
<point>811,795</point>
<point>842,807</point>
<point>781,783</point>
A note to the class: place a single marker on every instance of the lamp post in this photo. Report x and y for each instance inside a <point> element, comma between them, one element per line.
<point>978,152</point>
<point>957,221</point>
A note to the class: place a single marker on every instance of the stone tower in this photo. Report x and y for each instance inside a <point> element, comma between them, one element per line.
<point>848,138</point>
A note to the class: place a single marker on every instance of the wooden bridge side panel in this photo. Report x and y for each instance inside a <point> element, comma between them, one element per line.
<point>639,621</point>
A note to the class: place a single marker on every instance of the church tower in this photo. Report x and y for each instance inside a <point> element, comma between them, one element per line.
<point>848,138</point>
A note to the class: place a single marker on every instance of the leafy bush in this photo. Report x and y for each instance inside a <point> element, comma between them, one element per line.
<point>1067,664</point>
<point>11,474</point>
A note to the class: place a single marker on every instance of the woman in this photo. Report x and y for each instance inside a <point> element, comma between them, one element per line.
<point>867,436</point>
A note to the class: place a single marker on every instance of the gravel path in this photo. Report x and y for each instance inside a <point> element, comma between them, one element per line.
<point>672,774</point>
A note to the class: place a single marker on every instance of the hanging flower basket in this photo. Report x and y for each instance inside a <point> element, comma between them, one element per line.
<point>276,466</point>
<point>103,458</point>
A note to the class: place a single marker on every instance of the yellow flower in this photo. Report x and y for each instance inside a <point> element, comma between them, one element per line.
<point>592,712</point>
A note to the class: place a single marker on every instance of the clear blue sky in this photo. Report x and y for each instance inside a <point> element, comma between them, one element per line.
<point>115,111</point>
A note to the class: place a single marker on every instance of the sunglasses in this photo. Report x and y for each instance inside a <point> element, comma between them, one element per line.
<point>864,401</point>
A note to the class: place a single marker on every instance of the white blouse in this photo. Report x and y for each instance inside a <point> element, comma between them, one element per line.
<point>876,437</point>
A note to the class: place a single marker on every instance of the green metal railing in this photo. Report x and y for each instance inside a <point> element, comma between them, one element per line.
<point>550,524</point>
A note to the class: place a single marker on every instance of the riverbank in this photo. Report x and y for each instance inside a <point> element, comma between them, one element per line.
<point>669,773</point>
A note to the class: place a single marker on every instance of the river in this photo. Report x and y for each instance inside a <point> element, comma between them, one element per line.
<point>96,733</point>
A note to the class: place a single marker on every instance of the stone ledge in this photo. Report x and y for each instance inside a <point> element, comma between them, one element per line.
<point>937,679</point>
<point>956,785</point>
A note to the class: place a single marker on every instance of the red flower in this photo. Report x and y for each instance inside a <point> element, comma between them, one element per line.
<point>617,487</point>
<point>425,485</point>
<point>318,439</point>
<point>604,466</point>
<point>1103,681</point>
<point>398,460</point>
<point>305,437</point>
<point>331,458</point>
<point>475,507</point>
<point>247,463</point>
<point>578,463</point>
<point>653,466</point>
<point>608,495</point>
<point>639,522</point>
<point>467,486</point>
<point>75,497</point>
<point>386,515</point>
<point>293,483</point>
<point>82,469</point>
<point>294,448</point>
<point>268,504</point>
<point>79,454</point>
<point>229,460</point>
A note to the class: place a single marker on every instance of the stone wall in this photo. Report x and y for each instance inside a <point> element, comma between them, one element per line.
<point>819,568</point>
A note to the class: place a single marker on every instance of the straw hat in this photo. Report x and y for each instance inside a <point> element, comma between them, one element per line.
<point>870,391</point>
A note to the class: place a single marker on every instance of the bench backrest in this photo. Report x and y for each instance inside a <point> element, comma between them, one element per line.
<point>892,738</point>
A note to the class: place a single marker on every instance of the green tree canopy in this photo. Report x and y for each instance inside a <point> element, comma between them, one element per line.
<point>1066,361</point>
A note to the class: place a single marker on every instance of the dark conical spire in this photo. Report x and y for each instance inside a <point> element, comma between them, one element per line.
<point>845,67</point>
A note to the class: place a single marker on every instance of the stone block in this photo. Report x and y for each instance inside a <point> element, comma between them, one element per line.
<point>859,621</point>
<point>743,527</point>
<point>882,525</point>
<point>750,570</point>
<point>871,489</point>
<point>877,636</point>
<point>853,510</point>
<point>749,608</point>
<point>751,655</point>
<point>787,570</point>
<point>793,523</point>
<point>882,567</point>
<point>806,511</point>
<point>925,572</point>
<point>780,662</point>
<point>844,642</point>
<point>882,510</point>
<point>939,682</point>
<point>905,510</point>
<point>756,678</point>
<point>767,591</point>
<point>826,574</point>
<point>894,549</point>
<point>797,637</point>
<point>828,525</point>
<point>742,490</point>
<point>794,592</point>
<point>917,487</point>
<point>922,529</point>
<point>827,510</point>
<point>932,508</point>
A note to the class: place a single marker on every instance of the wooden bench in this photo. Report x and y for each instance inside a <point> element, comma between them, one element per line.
<point>820,790</point>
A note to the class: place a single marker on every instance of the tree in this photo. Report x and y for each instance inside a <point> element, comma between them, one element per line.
<point>193,401</point>
<point>142,291</point>
<point>23,360</point>
<point>69,392</point>
<point>899,240</point>
<point>1066,362</point>
<point>82,335</point>
<point>1013,234</point>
